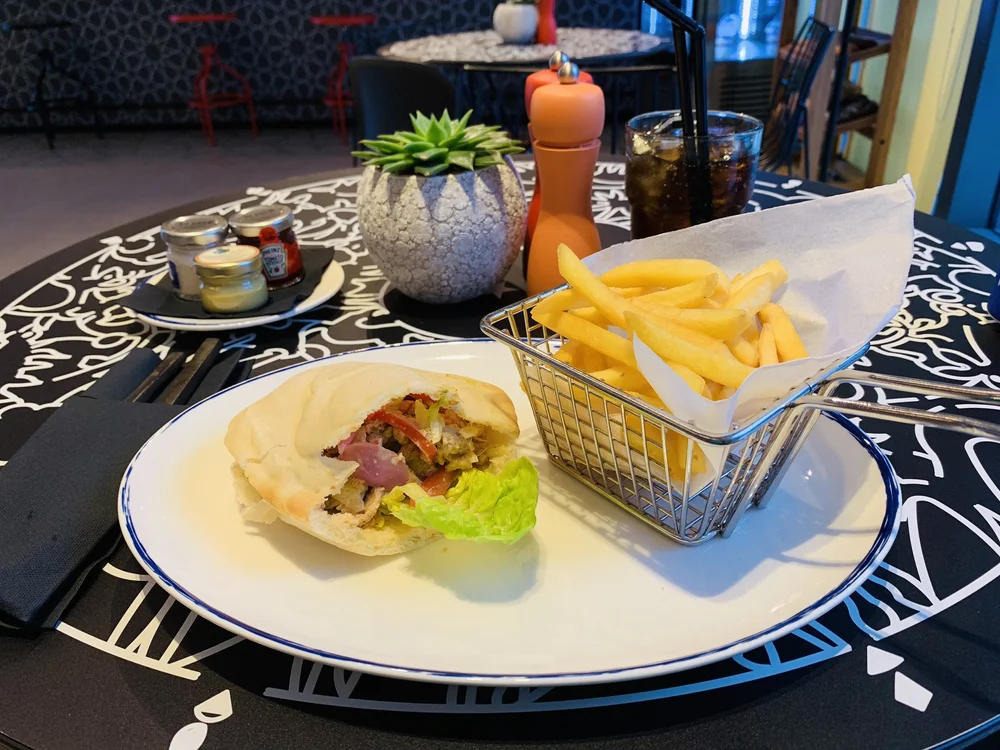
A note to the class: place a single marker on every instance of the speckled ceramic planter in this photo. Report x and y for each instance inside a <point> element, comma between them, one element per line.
<point>447,238</point>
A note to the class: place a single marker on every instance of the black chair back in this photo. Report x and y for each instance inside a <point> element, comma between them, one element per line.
<point>788,102</point>
<point>387,91</point>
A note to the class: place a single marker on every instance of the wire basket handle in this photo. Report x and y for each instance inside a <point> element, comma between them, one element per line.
<point>966,425</point>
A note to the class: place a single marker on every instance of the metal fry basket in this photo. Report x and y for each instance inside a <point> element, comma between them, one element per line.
<point>651,463</point>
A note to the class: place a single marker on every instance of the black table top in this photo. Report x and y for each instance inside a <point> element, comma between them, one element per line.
<point>128,667</point>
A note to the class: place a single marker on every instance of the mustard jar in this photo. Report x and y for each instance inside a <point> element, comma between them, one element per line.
<point>232,279</point>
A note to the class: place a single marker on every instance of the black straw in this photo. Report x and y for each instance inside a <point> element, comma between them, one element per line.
<point>683,74</point>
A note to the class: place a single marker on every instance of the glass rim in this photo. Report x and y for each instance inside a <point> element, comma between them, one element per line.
<point>754,125</point>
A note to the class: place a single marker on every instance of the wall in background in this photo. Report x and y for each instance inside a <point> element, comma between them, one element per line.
<point>932,86</point>
<point>141,66</point>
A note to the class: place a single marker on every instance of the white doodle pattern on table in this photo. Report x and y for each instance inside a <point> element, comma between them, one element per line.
<point>488,47</point>
<point>72,328</point>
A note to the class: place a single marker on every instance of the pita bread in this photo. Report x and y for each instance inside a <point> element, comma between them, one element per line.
<point>278,445</point>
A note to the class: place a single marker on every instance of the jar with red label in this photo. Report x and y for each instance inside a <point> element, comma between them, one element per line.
<point>269,228</point>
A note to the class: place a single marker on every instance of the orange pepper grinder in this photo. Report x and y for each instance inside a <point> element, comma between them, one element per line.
<point>566,124</point>
<point>534,81</point>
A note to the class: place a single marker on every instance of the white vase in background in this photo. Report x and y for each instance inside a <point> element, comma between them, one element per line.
<point>447,238</point>
<point>516,23</point>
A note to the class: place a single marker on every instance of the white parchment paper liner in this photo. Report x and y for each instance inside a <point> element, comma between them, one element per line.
<point>847,259</point>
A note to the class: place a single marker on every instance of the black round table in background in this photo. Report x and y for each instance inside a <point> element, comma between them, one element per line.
<point>128,667</point>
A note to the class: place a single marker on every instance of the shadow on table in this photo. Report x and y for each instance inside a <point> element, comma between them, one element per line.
<point>460,320</point>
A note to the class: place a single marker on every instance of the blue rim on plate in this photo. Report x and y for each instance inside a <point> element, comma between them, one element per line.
<point>886,534</point>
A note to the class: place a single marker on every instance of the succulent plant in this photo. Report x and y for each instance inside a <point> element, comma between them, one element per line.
<point>437,145</point>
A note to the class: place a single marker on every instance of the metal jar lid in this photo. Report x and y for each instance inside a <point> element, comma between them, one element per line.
<point>228,262</point>
<point>195,230</point>
<point>249,221</point>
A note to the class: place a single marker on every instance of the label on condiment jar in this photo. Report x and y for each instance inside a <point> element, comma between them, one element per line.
<point>275,259</point>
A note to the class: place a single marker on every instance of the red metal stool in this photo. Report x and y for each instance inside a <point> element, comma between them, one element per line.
<point>338,94</point>
<point>203,100</point>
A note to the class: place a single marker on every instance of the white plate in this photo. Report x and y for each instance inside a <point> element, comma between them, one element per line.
<point>591,595</point>
<point>329,285</point>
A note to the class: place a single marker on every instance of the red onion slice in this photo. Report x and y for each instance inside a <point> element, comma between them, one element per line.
<point>377,466</point>
<point>342,445</point>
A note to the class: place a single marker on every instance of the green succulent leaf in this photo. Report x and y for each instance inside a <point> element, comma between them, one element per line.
<point>489,160</point>
<point>380,146</point>
<point>463,159</point>
<point>404,136</point>
<point>402,165</point>
<point>430,171</point>
<point>415,147</point>
<point>383,161</point>
<point>436,132</point>
<point>432,154</point>
<point>420,124</point>
<point>461,124</point>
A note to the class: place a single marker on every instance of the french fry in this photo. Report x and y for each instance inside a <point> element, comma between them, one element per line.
<point>711,304</point>
<point>571,327</point>
<point>567,352</point>
<point>686,295</point>
<point>591,315</point>
<point>766,348</point>
<point>558,302</point>
<point>721,324</point>
<point>752,333</point>
<point>571,299</point>
<point>650,398</point>
<point>610,305</point>
<point>692,337</point>
<point>786,338</point>
<point>726,370</point>
<point>695,381</point>
<point>677,448</point>
<point>712,389</point>
<point>743,350</point>
<point>772,267</point>
<point>666,273</point>
<point>720,297</point>
<point>623,378</point>
<point>726,392</point>
<point>699,464</point>
<point>753,295</point>
<point>590,360</point>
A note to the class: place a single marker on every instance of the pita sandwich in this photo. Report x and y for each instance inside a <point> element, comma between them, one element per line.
<point>379,459</point>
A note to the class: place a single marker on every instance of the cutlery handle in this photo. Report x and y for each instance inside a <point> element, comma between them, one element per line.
<point>159,377</point>
<point>181,388</point>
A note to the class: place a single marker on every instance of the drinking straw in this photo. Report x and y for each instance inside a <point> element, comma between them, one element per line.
<point>694,122</point>
<point>704,188</point>
<point>683,91</point>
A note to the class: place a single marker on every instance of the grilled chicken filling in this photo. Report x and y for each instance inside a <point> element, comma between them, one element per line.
<point>409,440</point>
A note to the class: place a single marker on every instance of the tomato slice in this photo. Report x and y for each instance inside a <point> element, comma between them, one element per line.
<point>422,397</point>
<point>409,428</point>
<point>438,483</point>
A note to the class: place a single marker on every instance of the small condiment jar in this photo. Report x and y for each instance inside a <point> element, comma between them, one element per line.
<point>232,279</point>
<point>186,236</point>
<point>269,228</point>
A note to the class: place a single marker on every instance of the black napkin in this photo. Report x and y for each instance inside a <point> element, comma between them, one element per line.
<point>58,494</point>
<point>159,298</point>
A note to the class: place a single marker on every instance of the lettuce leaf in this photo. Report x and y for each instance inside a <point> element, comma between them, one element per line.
<point>481,507</point>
